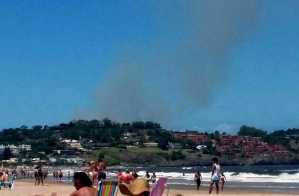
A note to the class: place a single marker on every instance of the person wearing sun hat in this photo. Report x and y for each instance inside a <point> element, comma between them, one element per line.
<point>139,187</point>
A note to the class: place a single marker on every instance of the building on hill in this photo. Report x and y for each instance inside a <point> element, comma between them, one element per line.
<point>230,140</point>
<point>278,150</point>
<point>72,160</point>
<point>73,144</point>
<point>174,145</point>
<point>24,147</point>
<point>69,152</point>
<point>127,135</point>
<point>151,144</point>
<point>97,145</point>
<point>195,137</point>
<point>11,160</point>
<point>201,147</point>
<point>130,137</point>
<point>249,147</point>
<point>15,149</point>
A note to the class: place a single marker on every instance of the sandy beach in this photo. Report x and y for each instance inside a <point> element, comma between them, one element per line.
<point>28,189</point>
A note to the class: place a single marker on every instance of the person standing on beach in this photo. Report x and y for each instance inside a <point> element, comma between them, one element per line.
<point>60,175</point>
<point>83,185</point>
<point>154,177</point>
<point>93,172</point>
<point>198,179</point>
<point>147,176</point>
<point>134,175</point>
<point>38,175</point>
<point>119,173</point>
<point>68,174</point>
<point>215,175</point>
<point>45,174</point>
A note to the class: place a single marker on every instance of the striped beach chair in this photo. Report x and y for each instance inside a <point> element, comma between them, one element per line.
<point>107,188</point>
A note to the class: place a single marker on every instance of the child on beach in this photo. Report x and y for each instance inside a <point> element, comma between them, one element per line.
<point>197,179</point>
<point>222,181</point>
<point>215,175</point>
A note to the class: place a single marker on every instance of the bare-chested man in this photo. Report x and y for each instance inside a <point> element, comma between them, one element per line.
<point>101,166</point>
<point>83,185</point>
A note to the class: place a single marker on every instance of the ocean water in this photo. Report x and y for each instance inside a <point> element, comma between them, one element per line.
<point>274,178</point>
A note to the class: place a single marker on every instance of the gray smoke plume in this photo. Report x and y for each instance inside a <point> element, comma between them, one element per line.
<point>174,75</point>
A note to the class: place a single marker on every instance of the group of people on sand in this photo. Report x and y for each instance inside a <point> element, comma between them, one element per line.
<point>84,187</point>
<point>128,179</point>
<point>86,182</point>
<point>6,178</point>
<point>130,183</point>
<point>127,176</point>
<point>58,175</point>
<point>217,177</point>
<point>151,178</point>
<point>39,175</point>
<point>96,171</point>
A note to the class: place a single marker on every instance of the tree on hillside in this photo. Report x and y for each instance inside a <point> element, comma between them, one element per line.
<point>107,123</point>
<point>251,131</point>
<point>211,149</point>
<point>282,137</point>
<point>163,143</point>
<point>6,154</point>
<point>37,127</point>
<point>152,125</point>
<point>138,125</point>
<point>23,127</point>
<point>217,136</point>
<point>177,155</point>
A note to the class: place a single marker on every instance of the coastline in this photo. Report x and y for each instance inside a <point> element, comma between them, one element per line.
<point>26,188</point>
<point>271,180</point>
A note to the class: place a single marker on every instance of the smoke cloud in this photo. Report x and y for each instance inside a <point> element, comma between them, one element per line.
<point>177,73</point>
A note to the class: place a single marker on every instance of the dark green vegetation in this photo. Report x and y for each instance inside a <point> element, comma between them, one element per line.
<point>47,138</point>
<point>128,143</point>
<point>144,156</point>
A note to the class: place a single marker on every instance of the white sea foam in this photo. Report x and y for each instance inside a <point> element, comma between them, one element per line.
<point>188,177</point>
<point>232,177</point>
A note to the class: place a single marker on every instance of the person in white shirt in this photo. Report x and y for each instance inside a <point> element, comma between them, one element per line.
<point>215,178</point>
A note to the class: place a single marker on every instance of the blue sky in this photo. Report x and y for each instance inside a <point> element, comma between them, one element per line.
<point>54,55</point>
